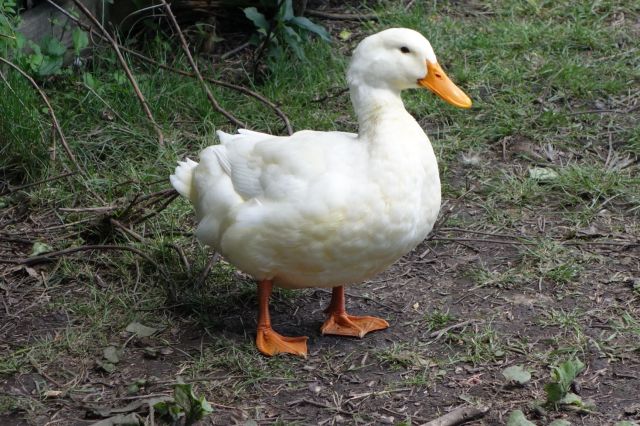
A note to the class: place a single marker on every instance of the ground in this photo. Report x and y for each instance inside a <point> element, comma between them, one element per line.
<point>535,259</point>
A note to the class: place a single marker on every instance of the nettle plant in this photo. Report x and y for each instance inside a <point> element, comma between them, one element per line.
<point>284,31</point>
<point>41,59</point>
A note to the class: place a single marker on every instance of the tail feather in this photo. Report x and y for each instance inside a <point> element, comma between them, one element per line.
<point>182,179</point>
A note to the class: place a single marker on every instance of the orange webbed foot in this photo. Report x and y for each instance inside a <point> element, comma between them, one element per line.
<point>343,324</point>
<point>271,343</point>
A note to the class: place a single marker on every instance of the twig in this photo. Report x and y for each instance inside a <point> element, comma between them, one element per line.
<point>9,190</point>
<point>183,257</point>
<point>483,240</point>
<point>185,47</point>
<point>48,257</point>
<point>439,333</point>
<point>124,65</point>
<point>56,124</point>
<point>341,16</point>
<point>459,415</point>
<point>203,276</point>
<point>234,51</point>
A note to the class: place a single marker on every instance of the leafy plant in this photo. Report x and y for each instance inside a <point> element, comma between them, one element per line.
<point>562,375</point>
<point>558,390</point>
<point>185,405</point>
<point>284,31</point>
<point>39,59</point>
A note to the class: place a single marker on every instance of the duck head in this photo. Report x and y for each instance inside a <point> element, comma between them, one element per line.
<point>399,58</point>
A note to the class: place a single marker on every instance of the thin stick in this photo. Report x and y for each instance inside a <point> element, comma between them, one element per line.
<point>439,333</point>
<point>48,257</point>
<point>185,47</point>
<point>459,415</point>
<point>56,124</point>
<point>212,261</point>
<point>10,190</point>
<point>124,65</point>
<point>482,240</point>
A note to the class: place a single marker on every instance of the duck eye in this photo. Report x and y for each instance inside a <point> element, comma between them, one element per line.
<point>404,49</point>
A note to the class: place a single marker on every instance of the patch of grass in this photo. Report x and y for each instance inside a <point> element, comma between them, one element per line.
<point>23,147</point>
<point>437,319</point>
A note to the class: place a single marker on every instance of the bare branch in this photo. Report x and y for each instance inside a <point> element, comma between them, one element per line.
<point>185,47</point>
<point>49,257</point>
<point>459,415</point>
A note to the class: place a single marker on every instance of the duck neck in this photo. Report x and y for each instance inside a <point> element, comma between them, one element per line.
<point>372,104</point>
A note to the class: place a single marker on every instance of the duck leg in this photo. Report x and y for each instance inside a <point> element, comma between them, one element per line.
<point>343,324</point>
<point>268,341</point>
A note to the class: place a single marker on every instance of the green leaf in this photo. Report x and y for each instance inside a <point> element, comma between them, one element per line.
<point>52,46</point>
<point>306,24</point>
<point>111,354</point>
<point>562,375</point>
<point>554,392</point>
<point>185,404</point>
<point>40,248</point>
<point>287,14</point>
<point>106,366</point>
<point>257,18</point>
<point>80,40</point>
<point>293,41</point>
<point>140,330</point>
<point>517,418</point>
<point>50,65</point>
<point>345,35</point>
<point>517,374</point>
<point>88,79</point>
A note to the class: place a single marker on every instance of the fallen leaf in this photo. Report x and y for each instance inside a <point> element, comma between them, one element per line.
<point>344,35</point>
<point>52,393</point>
<point>517,418</point>
<point>140,330</point>
<point>40,248</point>
<point>517,374</point>
<point>111,354</point>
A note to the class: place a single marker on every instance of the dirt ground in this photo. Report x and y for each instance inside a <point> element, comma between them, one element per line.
<point>449,341</point>
<point>475,298</point>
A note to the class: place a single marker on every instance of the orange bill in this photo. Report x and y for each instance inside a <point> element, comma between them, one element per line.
<point>438,82</point>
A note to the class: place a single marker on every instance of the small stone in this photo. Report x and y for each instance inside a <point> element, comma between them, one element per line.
<point>315,388</point>
<point>387,420</point>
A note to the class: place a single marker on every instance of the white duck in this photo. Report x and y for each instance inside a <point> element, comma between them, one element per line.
<point>327,209</point>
